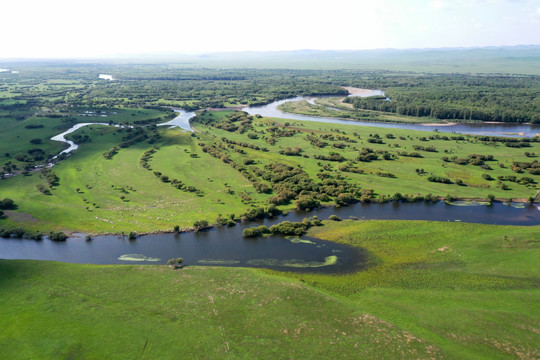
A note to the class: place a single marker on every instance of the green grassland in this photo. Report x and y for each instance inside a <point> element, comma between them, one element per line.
<point>99,195</point>
<point>406,180</point>
<point>433,290</point>
<point>148,204</point>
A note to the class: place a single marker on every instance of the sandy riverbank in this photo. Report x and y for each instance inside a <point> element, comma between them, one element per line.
<point>359,92</point>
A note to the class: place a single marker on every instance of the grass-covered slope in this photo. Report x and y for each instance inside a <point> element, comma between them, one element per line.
<point>434,290</point>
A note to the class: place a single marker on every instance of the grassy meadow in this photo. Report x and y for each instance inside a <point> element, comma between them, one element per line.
<point>433,290</point>
<point>119,194</point>
<point>406,180</point>
<point>99,195</point>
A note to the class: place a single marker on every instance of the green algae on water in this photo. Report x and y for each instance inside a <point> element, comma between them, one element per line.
<point>137,257</point>
<point>296,263</point>
<point>218,261</point>
<point>300,241</point>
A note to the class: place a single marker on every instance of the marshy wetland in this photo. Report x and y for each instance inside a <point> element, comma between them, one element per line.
<point>427,244</point>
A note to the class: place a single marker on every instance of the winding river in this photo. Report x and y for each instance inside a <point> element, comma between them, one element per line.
<point>272,110</point>
<point>227,247</point>
<point>491,129</point>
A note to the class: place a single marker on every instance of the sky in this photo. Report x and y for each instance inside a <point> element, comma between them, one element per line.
<point>101,28</point>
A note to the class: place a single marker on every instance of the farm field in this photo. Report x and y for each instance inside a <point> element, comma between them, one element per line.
<point>433,290</point>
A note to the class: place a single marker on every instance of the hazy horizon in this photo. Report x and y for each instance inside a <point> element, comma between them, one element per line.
<point>65,29</point>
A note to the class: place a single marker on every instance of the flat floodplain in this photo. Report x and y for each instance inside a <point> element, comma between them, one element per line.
<point>112,195</point>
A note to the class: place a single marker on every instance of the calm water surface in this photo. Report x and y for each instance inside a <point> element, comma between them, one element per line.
<point>226,246</point>
<point>507,130</point>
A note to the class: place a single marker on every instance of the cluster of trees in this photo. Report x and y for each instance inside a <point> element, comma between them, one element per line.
<point>133,136</point>
<point>410,154</point>
<point>51,178</point>
<point>473,159</point>
<point>531,167</point>
<point>20,233</point>
<point>454,96</point>
<point>367,155</point>
<point>138,134</point>
<point>201,224</point>
<point>259,213</point>
<point>7,204</point>
<point>439,179</point>
<point>296,151</point>
<point>351,169</point>
<point>429,148</point>
<point>243,144</point>
<point>110,154</point>
<point>201,88</point>
<point>316,141</point>
<point>216,150</point>
<point>332,156</point>
<point>145,163</point>
<point>145,158</point>
<point>283,228</point>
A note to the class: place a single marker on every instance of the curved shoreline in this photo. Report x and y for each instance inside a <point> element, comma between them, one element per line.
<point>356,120</point>
<point>512,130</point>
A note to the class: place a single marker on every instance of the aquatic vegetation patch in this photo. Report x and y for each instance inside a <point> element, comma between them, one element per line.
<point>301,241</point>
<point>515,205</point>
<point>468,203</point>
<point>218,261</point>
<point>295,263</point>
<point>137,257</point>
